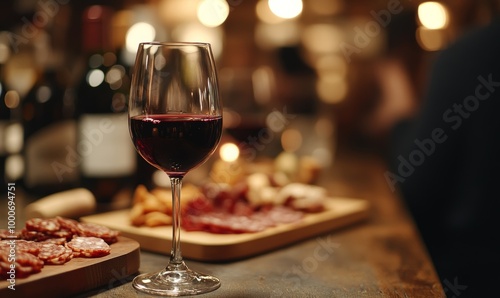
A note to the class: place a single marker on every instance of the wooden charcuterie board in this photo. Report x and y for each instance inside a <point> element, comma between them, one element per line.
<point>340,212</point>
<point>79,274</point>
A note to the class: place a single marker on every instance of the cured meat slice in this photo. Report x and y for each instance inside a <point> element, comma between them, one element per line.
<point>34,235</point>
<point>94,230</point>
<point>68,255</point>
<point>281,215</point>
<point>27,259</point>
<point>222,223</point>
<point>68,224</point>
<point>6,234</point>
<point>62,233</point>
<point>225,223</point>
<point>44,225</point>
<point>20,245</point>
<point>6,243</point>
<point>59,241</point>
<point>21,271</point>
<point>42,236</point>
<point>27,246</point>
<point>88,247</point>
<point>25,263</point>
<point>54,254</point>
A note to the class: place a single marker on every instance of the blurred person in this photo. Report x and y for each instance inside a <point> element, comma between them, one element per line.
<point>445,162</point>
<point>399,75</point>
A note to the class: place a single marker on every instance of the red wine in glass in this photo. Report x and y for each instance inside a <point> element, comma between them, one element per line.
<point>176,143</point>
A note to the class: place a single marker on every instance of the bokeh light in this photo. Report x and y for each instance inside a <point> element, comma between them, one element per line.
<point>212,13</point>
<point>286,9</point>
<point>139,32</point>
<point>229,152</point>
<point>430,40</point>
<point>433,15</point>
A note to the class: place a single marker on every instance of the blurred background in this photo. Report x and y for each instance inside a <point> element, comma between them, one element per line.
<point>309,77</point>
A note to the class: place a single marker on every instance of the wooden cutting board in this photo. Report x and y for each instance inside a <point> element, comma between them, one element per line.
<point>79,274</point>
<point>340,212</point>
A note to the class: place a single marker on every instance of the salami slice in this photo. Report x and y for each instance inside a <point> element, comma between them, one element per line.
<point>25,263</point>
<point>54,254</point>
<point>21,271</point>
<point>226,223</point>
<point>88,247</point>
<point>222,223</point>
<point>4,266</point>
<point>44,225</point>
<point>94,230</point>
<point>27,259</point>
<point>27,246</point>
<point>281,215</point>
<point>34,235</point>
<point>59,241</point>
<point>6,234</point>
<point>68,224</point>
<point>62,233</point>
<point>5,243</point>
<point>68,254</point>
<point>21,245</point>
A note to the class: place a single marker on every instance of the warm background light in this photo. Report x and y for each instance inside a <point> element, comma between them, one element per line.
<point>430,40</point>
<point>322,38</point>
<point>331,88</point>
<point>229,152</point>
<point>263,84</point>
<point>271,36</point>
<point>433,15</point>
<point>95,77</point>
<point>137,33</point>
<point>286,9</point>
<point>212,13</point>
<point>265,14</point>
<point>326,7</point>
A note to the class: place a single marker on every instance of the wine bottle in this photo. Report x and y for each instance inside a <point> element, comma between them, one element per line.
<point>108,159</point>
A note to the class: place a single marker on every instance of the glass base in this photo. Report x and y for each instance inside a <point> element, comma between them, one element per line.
<point>175,283</point>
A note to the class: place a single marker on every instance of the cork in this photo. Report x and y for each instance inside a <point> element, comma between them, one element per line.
<point>71,204</point>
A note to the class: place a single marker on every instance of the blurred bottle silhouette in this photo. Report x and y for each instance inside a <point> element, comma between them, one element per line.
<point>48,121</point>
<point>107,157</point>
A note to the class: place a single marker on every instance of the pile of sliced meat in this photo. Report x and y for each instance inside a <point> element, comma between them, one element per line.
<point>220,222</point>
<point>52,241</point>
<point>227,211</point>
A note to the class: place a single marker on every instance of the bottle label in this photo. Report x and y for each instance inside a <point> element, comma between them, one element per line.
<point>105,146</point>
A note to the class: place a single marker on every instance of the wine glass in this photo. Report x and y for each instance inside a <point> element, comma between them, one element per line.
<point>175,121</point>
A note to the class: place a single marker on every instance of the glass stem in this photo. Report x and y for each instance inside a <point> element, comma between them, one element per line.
<point>176,262</point>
